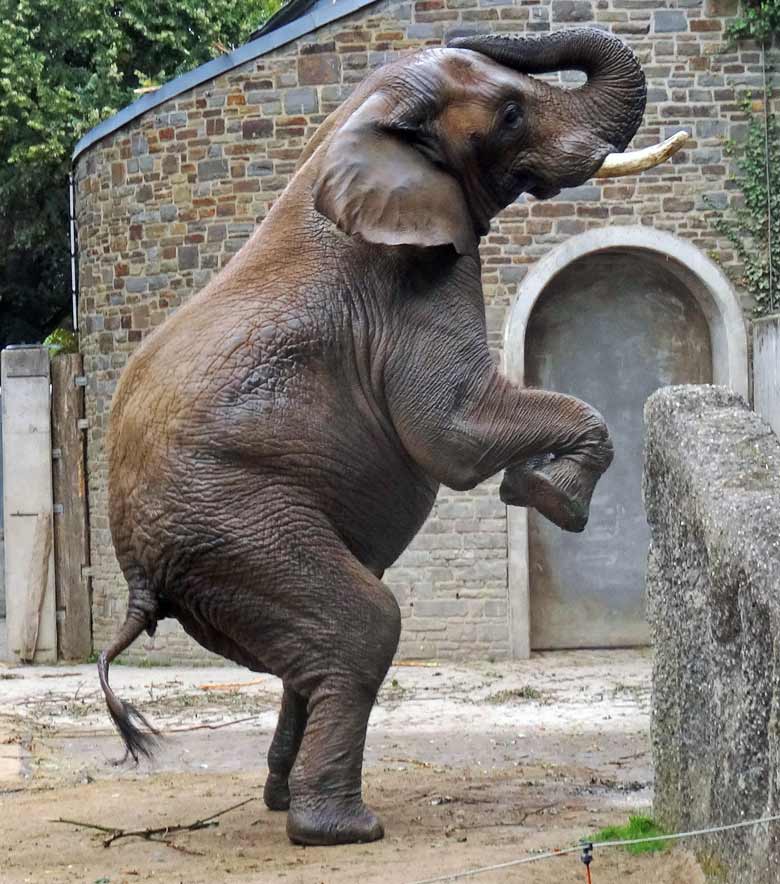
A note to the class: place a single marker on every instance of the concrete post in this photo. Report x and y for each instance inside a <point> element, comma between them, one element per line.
<point>766,369</point>
<point>2,529</point>
<point>27,505</point>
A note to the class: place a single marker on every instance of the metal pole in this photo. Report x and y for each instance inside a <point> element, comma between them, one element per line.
<point>73,285</point>
<point>768,180</point>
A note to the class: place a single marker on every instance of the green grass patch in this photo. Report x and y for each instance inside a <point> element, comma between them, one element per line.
<point>637,827</point>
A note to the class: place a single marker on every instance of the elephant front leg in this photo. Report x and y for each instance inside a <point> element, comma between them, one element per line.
<point>560,488</point>
<point>284,749</point>
<point>553,448</point>
<point>559,458</point>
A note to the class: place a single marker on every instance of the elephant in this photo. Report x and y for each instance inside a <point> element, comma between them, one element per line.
<point>279,440</point>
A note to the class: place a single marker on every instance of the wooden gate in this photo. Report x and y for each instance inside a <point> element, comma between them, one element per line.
<point>47,592</point>
<point>71,534</point>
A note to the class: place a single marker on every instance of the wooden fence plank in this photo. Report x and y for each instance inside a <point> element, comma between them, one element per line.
<point>39,581</point>
<point>71,539</point>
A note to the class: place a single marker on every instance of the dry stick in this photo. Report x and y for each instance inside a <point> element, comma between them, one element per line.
<point>180,847</point>
<point>150,833</point>
<point>209,727</point>
<point>517,823</point>
<point>413,761</point>
<point>230,685</point>
<point>105,732</point>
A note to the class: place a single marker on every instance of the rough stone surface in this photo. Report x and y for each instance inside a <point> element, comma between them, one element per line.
<point>219,155</point>
<point>712,493</point>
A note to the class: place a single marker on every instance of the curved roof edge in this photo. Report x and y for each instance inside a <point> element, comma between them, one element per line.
<point>323,13</point>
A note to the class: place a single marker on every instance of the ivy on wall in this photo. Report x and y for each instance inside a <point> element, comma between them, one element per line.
<point>754,227</point>
<point>759,20</point>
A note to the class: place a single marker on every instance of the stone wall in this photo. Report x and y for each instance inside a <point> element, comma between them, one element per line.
<point>712,492</point>
<point>166,201</point>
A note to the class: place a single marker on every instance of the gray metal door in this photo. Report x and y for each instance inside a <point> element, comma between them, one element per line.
<point>611,329</point>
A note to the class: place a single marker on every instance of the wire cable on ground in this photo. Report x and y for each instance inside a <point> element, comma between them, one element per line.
<point>538,857</point>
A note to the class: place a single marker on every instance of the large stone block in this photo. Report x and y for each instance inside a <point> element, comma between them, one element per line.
<point>670,20</point>
<point>715,8</point>
<point>258,128</point>
<point>712,494</point>
<point>208,170</point>
<point>301,101</point>
<point>315,70</point>
<point>572,10</point>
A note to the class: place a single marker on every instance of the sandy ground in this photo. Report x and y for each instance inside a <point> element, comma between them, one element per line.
<point>468,766</point>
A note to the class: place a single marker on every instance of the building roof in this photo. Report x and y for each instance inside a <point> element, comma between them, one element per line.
<point>287,12</point>
<point>295,19</point>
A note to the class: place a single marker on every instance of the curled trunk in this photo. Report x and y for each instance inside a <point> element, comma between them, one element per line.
<point>612,101</point>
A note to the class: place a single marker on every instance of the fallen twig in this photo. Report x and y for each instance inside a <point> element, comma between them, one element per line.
<point>230,685</point>
<point>209,727</point>
<point>158,833</point>
<point>413,761</point>
<point>423,664</point>
<point>625,758</point>
<point>107,732</point>
<point>466,827</point>
<point>515,823</point>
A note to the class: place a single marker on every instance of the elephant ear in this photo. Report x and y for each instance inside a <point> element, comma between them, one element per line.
<point>374,180</point>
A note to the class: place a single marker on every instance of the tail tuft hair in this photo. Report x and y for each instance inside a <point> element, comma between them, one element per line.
<point>137,742</point>
<point>125,715</point>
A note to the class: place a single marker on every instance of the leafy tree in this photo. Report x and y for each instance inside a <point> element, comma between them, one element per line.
<point>64,66</point>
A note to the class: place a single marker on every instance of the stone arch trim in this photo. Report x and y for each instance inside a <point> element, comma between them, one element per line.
<point>728,333</point>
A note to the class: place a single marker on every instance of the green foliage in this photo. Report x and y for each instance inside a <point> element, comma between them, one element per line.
<point>637,827</point>
<point>756,223</point>
<point>61,341</point>
<point>64,66</point>
<point>760,20</point>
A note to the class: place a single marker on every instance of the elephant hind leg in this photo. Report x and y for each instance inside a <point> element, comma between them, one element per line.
<point>346,662</point>
<point>326,801</point>
<point>284,749</point>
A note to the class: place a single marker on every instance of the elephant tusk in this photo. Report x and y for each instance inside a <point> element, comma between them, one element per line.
<point>617,164</point>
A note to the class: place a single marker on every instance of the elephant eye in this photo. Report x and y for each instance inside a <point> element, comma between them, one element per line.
<point>512,114</point>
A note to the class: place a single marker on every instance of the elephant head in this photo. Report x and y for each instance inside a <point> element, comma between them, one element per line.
<point>435,144</point>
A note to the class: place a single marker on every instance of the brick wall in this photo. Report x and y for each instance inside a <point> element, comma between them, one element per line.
<point>165,202</point>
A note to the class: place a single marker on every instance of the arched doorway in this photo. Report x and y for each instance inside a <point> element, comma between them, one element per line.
<point>611,328</point>
<point>610,316</point>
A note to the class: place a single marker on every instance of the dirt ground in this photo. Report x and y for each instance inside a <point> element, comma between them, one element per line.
<point>469,766</point>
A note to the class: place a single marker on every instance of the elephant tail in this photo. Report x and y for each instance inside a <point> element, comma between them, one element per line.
<point>124,715</point>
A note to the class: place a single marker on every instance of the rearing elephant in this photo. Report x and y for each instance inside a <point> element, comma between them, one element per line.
<point>277,443</point>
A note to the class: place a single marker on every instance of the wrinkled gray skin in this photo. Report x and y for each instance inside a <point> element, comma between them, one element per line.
<point>278,442</point>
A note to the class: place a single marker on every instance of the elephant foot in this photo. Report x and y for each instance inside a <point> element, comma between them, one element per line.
<point>276,793</point>
<point>333,822</point>
<point>558,488</point>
